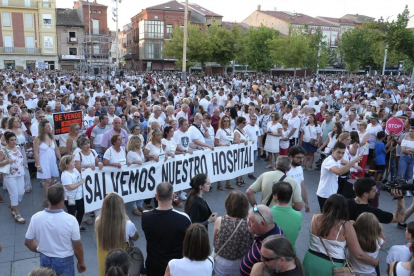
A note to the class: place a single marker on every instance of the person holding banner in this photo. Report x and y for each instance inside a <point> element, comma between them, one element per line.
<point>240,136</point>
<point>154,150</point>
<point>74,132</point>
<point>45,149</point>
<point>135,157</point>
<point>224,138</point>
<point>87,157</point>
<point>115,156</point>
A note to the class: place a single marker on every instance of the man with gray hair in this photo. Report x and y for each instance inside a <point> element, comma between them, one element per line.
<point>157,110</point>
<point>261,224</point>
<point>265,183</point>
<point>88,118</point>
<point>351,122</point>
<point>34,129</point>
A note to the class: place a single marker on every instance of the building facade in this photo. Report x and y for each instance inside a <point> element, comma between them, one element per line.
<point>70,33</point>
<point>28,34</point>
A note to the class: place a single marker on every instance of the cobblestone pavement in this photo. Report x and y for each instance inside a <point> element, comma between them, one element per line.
<point>16,259</point>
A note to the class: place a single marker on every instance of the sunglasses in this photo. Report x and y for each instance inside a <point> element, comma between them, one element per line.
<point>268,259</point>
<point>77,128</point>
<point>256,210</point>
<point>136,116</point>
<point>226,121</point>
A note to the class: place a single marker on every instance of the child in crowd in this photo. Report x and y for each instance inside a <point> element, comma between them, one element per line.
<point>402,253</point>
<point>381,151</point>
<point>284,142</point>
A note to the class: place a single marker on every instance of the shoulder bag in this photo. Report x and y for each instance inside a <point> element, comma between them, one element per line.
<point>271,196</point>
<point>137,260</point>
<point>6,168</point>
<point>346,270</point>
<point>232,234</point>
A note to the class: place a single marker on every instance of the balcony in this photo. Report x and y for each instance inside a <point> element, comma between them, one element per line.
<point>73,40</point>
<point>33,4</point>
<point>131,56</point>
<point>20,50</point>
<point>97,56</point>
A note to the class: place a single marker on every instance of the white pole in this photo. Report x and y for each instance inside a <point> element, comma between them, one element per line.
<point>385,59</point>
<point>184,66</point>
<point>117,42</point>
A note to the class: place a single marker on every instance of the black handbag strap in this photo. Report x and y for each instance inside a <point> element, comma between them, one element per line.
<point>394,269</point>
<point>271,196</point>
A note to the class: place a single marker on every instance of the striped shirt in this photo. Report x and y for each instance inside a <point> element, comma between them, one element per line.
<point>254,255</point>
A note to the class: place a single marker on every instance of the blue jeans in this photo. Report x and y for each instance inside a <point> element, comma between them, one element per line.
<point>62,266</point>
<point>405,167</point>
<point>99,152</point>
<point>138,203</point>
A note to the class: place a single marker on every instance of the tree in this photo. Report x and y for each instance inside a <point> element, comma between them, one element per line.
<point>319,53</point>
<point>290,51</point>
<point>257,49</point>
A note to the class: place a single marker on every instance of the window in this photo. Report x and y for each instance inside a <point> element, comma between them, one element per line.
<point>30,48</point>
<point>28,21</point>
<point>27,3</point>
<point>9,64</point>
<point>6,19</point>
<point>5,2</point>
<point>47,20</point>
<point>151,29</point>
<point>169,31</point>
<point>95,26</point>
<point>45,3</point>
<point>99,11</point>
<point>8,44</point>
<point>48,40</point>
<point>151,50</point>
<point>94,11</point>
<point>73,51</point>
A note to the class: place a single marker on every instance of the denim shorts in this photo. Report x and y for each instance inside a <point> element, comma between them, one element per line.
<point>62,266</point>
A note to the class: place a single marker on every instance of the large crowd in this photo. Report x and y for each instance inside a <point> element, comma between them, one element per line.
<point>335,124</point>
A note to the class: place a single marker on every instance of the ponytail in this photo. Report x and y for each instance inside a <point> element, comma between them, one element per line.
<point>299,265</point>
<point>199,179</point>
<point>115,271</point>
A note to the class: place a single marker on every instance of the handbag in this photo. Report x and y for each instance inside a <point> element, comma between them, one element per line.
<point>6,168</point>
<point>312,142</point>
<point>346,270</point>
<point>232,234</point>
<point>137,260</point>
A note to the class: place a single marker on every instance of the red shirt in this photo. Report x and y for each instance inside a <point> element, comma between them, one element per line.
<point>88,131</point>
<point>215,122</point>
<point>319,117</point>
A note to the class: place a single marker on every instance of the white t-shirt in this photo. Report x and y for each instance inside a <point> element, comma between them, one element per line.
<point>154,151</point>
<point>373,130</point>
<point>160,120</point>
<point>399,253</point>
<point>225,136</point>
<point>133,156</point>
<point>362,268</point>
<point>311,132</point>
<point>328,183</point>
<point>185,266</point>
<point>87,159</point>
<point>115,157</point>
<point>253,132</point>
<point>297,174</point>
<point>182,139</point>
<point>34,129</point>
<point>294,123</point>
<point>170,146</point>
<point>68,178</point>
<point>54,230</point>
<point>196,134</point>
<point>361,148</point>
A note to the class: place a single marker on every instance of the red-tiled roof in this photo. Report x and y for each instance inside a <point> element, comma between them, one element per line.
<point>299,19</point>
<point>202,10</point>
<point>86,3</point>
<point>168,6</point>
<point>337,20</point>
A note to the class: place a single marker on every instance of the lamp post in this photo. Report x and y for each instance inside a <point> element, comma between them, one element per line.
<point>184,67</point>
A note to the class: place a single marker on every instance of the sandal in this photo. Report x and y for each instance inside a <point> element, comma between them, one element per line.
<point>1,199</point>
<point>12,211</point>
<point>27,191</point>
<point>240,183</point>
<point>268,167</point>
<point>221,188</point>
<point>89,222</point>
<point>229,187</point>
<point>19,219</point>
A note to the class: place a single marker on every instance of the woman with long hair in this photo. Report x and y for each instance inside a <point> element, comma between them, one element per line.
<point>332,137</point>
<point>74,132</point>
<point>309,139</point>
<point>406,161</point>
<point>196,207</point>
<point>154,150</point>
<point>274,133</point>
<point>45,152</point>
<point>115,156</point>
<point>14,125</point>
<point>363,150</point>
<point>72,183</point>
<point>14,179</point>
<point>135,157</point>
<point>278,258</point>
<point>368,231</point>
<point>117,263</point>
<point>196,254</point>
<point>332,230</point>
<point>113,229</point>
<point>25,117</point>
<point>240,136</point>
<point>224,138</point>
<point>230,255</point>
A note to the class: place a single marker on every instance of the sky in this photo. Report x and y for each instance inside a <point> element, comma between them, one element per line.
<point>238,10</point>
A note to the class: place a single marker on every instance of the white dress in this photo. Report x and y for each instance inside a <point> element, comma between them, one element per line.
<point>21,141</point>
<point>47,160</point>
<point>272,142</point>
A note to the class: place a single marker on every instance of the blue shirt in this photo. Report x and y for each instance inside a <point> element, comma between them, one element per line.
<point>379,153</point>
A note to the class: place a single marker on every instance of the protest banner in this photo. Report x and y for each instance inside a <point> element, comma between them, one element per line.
<point>139,182</point>
<point>42,65</point>
<point>62,121</point>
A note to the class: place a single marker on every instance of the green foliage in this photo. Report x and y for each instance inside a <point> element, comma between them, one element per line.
<point>256,51</point>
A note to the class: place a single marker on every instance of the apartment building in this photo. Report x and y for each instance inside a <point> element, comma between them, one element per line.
<point>28,34</point>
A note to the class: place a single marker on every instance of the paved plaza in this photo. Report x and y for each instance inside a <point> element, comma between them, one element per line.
<point>17,260</point>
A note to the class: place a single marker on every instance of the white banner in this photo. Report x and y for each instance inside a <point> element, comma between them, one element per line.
<point>139,182</point>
